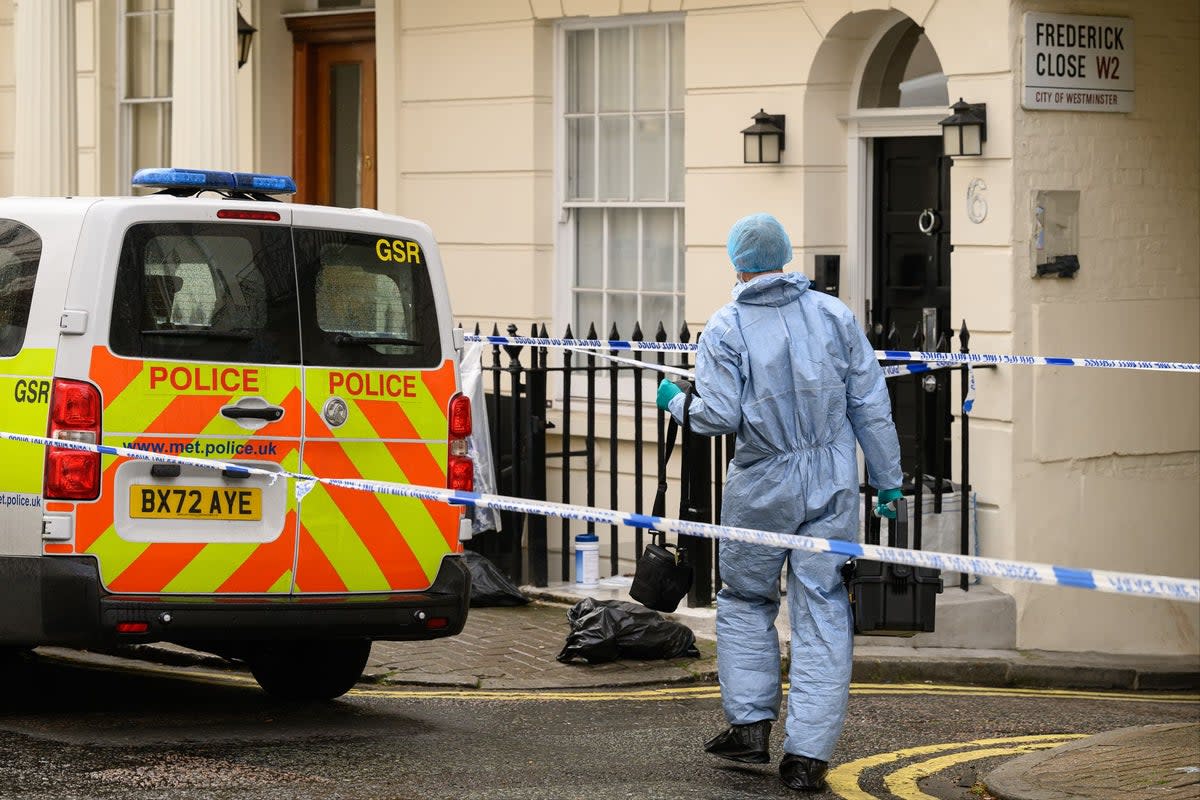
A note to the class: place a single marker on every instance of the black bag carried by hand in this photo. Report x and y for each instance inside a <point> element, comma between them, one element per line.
<point>663,576</point>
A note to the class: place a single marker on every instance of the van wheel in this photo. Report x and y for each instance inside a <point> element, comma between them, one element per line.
<point>309,670</point>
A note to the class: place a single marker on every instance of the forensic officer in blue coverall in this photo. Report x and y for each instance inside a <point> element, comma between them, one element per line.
<point>790,372</point>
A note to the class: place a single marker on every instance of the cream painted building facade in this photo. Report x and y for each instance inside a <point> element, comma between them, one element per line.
<point>583,160</point>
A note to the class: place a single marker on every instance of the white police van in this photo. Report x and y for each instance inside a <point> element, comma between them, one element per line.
<point>210,321</point>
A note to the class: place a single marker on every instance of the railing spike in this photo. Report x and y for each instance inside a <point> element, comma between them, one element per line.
<point>964,337</point>
<point>591,334</point>
<point>495,329</point>
<point>612,332</point>
<point>568,334</point>
<point>661,335</point>
<point>685,335</point>
<point>637,335</point>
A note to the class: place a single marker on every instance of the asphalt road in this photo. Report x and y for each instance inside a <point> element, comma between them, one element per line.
<point>102,728</point>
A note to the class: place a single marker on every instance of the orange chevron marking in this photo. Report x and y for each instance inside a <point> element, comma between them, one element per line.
<point>417,463</point>
<point>112,374</point>
<point>366,515</point>
<point>314,568</point>
<point>187,414</point>
<point>421,468</point>
<point>442,383</point>
<point>94,518</point>
<point>289,426</point>
<point>264,566</point>
<point>157,565</point>
<point>388,419</point>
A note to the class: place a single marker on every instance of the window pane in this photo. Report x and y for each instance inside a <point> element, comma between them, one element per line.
<point>208,292</point>
<point>676,167</point>
<point>622,248</point>
<point>614,158</point>
<point>365,306</point>
<point>676,66</point>
<point>658,249</point>
<point>622,312</point>
<point>345,141</point>
<point>163,43</point>
<point>649,167</point>
<point>581,71</point>
<point>589,310</point>
<point>658,308</point>
<point>139,67</point>
<point>581,158</point>
<point>589,248</point>
<point>650,68</point>
<point>614,69</point>
<point>679,252</point>
<point>20,254</point>
<point>148,146</point>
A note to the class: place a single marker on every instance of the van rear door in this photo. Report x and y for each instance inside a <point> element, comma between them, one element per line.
<point>196,353</point>
<point>379,372</point>
<point>26,367</point>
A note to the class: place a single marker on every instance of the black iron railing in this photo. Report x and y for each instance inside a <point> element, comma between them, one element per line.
<point>529,439</point>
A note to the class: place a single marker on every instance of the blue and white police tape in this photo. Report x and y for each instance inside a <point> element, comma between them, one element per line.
<point>1126,583</point>
<point>891,371</point>
<point>976,359</point>
<point>683,373</point>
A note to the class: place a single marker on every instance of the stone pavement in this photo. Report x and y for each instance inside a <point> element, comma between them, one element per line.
<point>515,648</point>
<point>1152,762</point>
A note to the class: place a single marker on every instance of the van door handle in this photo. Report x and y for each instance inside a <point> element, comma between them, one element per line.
<point>269,413</point>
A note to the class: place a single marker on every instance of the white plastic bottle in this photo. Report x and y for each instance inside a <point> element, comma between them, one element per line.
<point>587,560</point>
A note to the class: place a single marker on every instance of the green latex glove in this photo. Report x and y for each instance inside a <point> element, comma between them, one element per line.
<point>882,503</point>
<point>667,390</point>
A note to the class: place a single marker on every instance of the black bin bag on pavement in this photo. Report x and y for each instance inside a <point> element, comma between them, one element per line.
<point>489,586</point>
<point>605,630</point>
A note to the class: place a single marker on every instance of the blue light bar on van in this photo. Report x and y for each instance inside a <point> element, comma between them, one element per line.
<point>217,180</point>
<point>267,184</point>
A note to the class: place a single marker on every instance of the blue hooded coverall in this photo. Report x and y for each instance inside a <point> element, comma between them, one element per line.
<point>790,372</point>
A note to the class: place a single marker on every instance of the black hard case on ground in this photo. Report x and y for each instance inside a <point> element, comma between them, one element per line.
<point>892,599</point>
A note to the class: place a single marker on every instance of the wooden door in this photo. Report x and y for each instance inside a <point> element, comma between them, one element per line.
<point>912,279</point>
<point>334,152</point>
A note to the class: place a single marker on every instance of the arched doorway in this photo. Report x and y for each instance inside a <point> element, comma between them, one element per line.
<point>909,217</point>
<point>876,92</point>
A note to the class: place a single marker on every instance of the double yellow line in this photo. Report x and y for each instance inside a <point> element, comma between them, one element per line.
<point>844,779</point>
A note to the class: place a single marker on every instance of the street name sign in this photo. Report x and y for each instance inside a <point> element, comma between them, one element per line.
<point>1078,63</point>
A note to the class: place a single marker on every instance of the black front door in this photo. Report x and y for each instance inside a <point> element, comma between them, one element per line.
<point>911,274</point>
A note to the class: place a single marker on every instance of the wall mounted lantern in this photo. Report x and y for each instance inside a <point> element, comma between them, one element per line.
<point>764,139</point>
<point>245,33</point>
<point>965,131</point>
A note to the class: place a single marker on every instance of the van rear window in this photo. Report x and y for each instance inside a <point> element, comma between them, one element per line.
<point>206,292</point>
<point>20,253</point>
<point>365,300</point>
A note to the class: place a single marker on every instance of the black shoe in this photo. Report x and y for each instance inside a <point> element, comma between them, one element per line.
<point>803,773</point>
<point>744,743</point>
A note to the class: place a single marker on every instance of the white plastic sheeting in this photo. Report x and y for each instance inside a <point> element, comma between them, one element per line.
<point>479,443</point>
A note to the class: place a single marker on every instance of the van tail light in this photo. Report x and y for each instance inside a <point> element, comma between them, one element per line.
<point>460,472</point>
<point>75,411</point>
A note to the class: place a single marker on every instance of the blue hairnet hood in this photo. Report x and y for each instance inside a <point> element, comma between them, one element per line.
<point>758,243</point>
